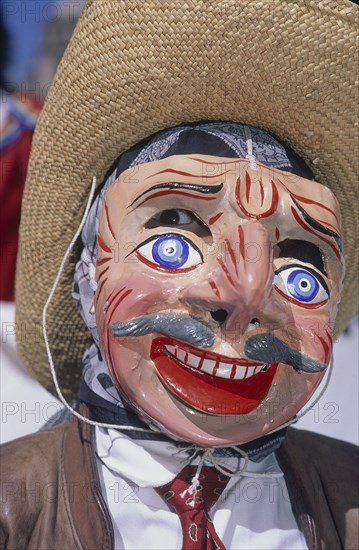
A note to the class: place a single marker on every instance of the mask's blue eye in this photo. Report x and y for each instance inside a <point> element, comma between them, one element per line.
<point>301,284</point>
<point>170,251</point>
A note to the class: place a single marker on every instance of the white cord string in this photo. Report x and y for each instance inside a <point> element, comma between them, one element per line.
<point>44,329</point>
<point>193,487</point>
<point>208,455</point>
<point>250,156</point>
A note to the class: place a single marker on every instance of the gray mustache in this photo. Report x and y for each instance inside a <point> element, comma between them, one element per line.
<point>265,348</point>
<point>175,325</point>
<point>269,349</point>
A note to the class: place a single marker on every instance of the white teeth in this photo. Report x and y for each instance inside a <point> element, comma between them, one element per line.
<point>250,372</point>
<point>240,373</point>
<point>193,360</point>
<point>208,366</point>
<point>181,354</point>
<point>224,370</point>
<point>220,369</point>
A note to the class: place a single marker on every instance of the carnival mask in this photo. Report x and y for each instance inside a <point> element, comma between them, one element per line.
<point>218,287</point>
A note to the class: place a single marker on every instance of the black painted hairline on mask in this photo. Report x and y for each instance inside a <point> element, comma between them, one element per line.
<point>194,141</point>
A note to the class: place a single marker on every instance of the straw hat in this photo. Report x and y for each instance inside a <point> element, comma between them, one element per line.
<point>133,68</point>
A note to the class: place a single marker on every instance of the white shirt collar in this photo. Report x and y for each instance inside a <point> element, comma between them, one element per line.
<point>149,463</point>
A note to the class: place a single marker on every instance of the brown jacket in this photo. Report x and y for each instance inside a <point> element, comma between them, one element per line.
<point>51,496</point>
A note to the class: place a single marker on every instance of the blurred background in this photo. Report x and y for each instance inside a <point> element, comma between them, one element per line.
<point>34,35</point>
<point>37,34</point>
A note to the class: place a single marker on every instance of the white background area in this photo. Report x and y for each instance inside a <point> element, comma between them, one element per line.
<point>26,405</point>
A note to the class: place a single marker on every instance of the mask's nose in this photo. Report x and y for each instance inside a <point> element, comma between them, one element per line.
<point>239,279</point>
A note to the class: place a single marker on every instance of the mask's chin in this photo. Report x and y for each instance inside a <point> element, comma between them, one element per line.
<point>186,424</point>
<point>183,422</point>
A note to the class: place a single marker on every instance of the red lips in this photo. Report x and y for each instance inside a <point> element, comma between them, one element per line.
<point>210,393</point>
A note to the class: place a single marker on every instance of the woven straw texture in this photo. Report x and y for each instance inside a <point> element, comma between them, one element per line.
<point>135,67</point>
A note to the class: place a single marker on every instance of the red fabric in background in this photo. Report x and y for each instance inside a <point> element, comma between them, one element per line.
<point>14,157</point>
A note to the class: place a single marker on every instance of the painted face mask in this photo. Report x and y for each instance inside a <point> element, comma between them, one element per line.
<point>216,285</point>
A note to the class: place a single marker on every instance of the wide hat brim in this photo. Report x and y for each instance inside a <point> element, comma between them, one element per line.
<point>134,68</point>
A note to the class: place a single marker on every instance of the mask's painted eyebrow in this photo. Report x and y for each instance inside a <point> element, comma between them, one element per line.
<point>187,174</point>
<point>204,189</point>
<point>318,226</point>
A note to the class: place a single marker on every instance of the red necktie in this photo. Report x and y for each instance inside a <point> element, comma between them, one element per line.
<point>193,507</point>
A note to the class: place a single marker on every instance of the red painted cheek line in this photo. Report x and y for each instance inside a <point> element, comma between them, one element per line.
<point>103,245</point>
<point>173,192</point>
<point>212,220</point>
<point>119,301</point>
<point>326,349</point>
<point>108,221</point>
<point>102,274</point>
<point>180,173</point>
<point>110,301</point>
<point>277,234</point>
<point>301,304</point>
<point>241,241</point>
<point>232,255</point>
<point>100,289</point>
<point>107,338</point>
<point>103,261</point>
<point>214,287</point>
<point>109,296</point>
<point>164,269</point>
<point>224,268</point>
<point>309,230</point>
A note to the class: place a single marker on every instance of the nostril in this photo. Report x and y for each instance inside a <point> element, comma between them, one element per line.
<point>219,315</point>
<point>255,321</point>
